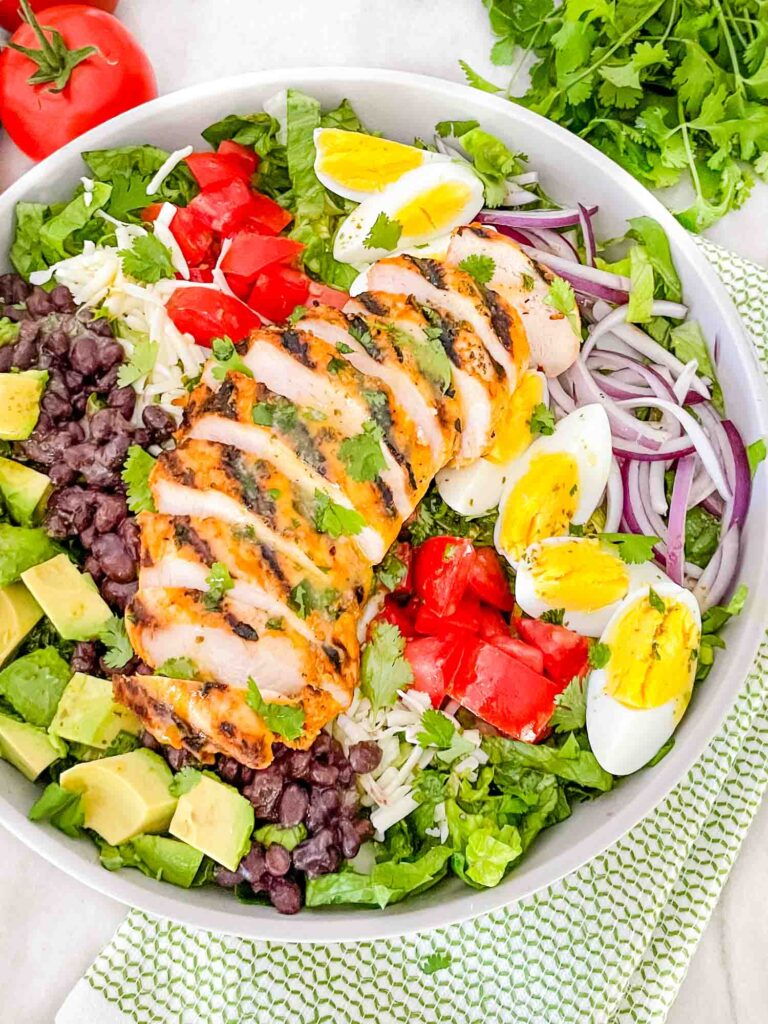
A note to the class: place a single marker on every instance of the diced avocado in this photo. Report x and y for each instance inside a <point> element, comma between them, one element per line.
<point>24,489</point>
<point>87,713</point>
<point>20,549</point>
<point>214,818</point>
<point>68,597</point>
<point>123,796</point>
<point>33,685</point>
<point>20,395</point>
<point>19,612</point>
<point>28,748</point>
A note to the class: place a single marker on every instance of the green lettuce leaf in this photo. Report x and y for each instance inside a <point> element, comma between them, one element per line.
<point>702,535</point>
<point>568,761</point>
<point>389,882</point>
<point>26,251</point>
<point>687,341</point>
<point>641,276</point>
<point>34,683</point>
<point>57,231</point>
<point>22,547</point>
<point>129,169</point>
<point>61,807</point>
<point>493,161</point>
<point>168,860</point>
<point>652,236</point>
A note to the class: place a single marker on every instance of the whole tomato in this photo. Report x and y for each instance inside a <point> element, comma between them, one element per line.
<point>74,70</point>
<point>10,18</point>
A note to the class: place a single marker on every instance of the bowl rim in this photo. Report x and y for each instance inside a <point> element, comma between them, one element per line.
<point>351,925</point>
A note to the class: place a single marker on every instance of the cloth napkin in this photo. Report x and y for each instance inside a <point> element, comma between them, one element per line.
<point>608,944</point>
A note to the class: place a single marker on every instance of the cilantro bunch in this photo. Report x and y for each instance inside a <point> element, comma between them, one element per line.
<point>666,88</point>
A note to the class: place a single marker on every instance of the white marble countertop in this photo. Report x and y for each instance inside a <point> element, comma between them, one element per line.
<point>51,927</point>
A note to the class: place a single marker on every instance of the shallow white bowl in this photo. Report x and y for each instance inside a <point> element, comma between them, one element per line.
<point>403,106</point>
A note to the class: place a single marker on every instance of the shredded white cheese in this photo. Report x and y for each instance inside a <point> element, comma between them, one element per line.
<point>88,184</point>
<point>165,168</point>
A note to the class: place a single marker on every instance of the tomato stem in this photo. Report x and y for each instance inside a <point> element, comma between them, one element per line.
<point>55,62</point>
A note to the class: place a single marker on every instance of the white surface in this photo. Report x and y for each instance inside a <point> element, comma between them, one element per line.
<point>50,926</point>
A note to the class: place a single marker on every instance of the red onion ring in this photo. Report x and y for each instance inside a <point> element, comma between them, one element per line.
<point>678,508</point>
<point>557,244</point>
<point>588,234</point>
<point>742,480</point>
<point>716,579</point>
<point>614,505</point>
<point>534,219</point>
<point>618,316</point>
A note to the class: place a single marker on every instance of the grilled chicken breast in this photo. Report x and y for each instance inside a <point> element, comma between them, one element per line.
<point>290,481</point>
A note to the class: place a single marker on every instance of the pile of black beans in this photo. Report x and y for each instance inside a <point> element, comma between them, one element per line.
<point>316,787</point>
<point>81,445</point>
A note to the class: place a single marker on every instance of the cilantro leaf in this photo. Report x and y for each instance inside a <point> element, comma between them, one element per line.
<point>336,520</point>
<point>298,314</point>
<point>392,571</point>
<point>437,730</point>
<point>542,420</point>
<point>383,668</point>
<point>560,296</point>
<point>218,582</point>
<point>599,655</point>
<point>756,453</point>
<point>228,358</point>
<point>286,720</point>
<point>177,668</point>
<point>633,548</point>
<point>147,260</point>
<point>554,616</point>
<point>384,234</point>
<point>362,454</point>
<point>136,469</point>
<point>115,639</point>
<point>570,712</point>
<point>304,599</point>
<point>655,601</point>
<point>141,362</point>
<point>481,268</point>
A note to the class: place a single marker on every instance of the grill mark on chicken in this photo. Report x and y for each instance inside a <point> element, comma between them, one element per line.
<point>293,342</point>
<point>242,629</point>
<point>359,330</point>
<point>500,318</point>
<point>386,496</point>
<point>273,561</point>
<point>184,533</point>
<point>333,656</point>
<point>430,270</point>
<point>180,472</point>
<point>371,303</point>
<point>253,494</point>
<point>224,401</point>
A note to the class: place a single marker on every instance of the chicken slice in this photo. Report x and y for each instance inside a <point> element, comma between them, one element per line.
<point>452,291</point>
<point>553,343</point>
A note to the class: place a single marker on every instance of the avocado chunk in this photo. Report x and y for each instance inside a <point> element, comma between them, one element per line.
<point>87,713</point>
<point>68,597</point>
<point>28,748</point>
<point>20,395</point>
<point>214,818</point>
<point>20,549</point>
<point>24,489</point>
<point>158,857</point>
<point>123,796</point>
<point>33,685</point>
<point>19,612</point>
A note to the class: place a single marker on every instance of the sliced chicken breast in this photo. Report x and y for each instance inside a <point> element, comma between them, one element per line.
<point>553,343</point>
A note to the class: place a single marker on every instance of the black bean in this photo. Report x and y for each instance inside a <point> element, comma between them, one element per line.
<point>74,381</point>
<point>113,454</point>
<point>93,566</point>
<point>364,757</point>
<point>348,839</point>
<point>131,537</point>
<point>264,792</point>
<point>6,358</point>
<point>61,474</point>
<point>56,406</point>
<point>317,855</point>
<point>253,865</point>
<point>84,355</point>
<point>24,353</point>
<point>105,423</point>
<point>96,474</point>
<point>323,774</point>
<point>111,510</point>
<point>29,331</point>
<point>299,764</point>
<point>13,288</point>
<point>88,536</point>
<point>293,805</point>
<point>364,828</point>
<point>80,456</point>
<point>229,769</point>
<point>149,741</point>
<point>177,757</point>
<point>15,313</point>
<point>227,879</point>
<point>123,400</point>
<point>62,300</point>
<point>159,422</point>
<point>323,804</point>
<point>349,802</point>
<point>118,594</point>
<point>57,342</point>
<point>285,895</point>
<point>278,860</point>
<point>109,353</point>
<point>74,504</point>
<point>114,557</point>
<point>84,657</point>
<point>39,302</point>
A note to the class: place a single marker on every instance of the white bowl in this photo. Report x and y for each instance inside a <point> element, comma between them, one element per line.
<point>403,106</point>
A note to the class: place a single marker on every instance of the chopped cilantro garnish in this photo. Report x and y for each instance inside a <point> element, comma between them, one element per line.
<point>141,362</point>
<point>542,420</point>
<point>599,655</point>
<point>227,358</point>
<point>655,601</point>
<point>383,668</point>
<point>286,720</point>
<point>554,616</point>
<point>136,469</point>
<point>560,297</point>
<point>147,260</point>
<point>437,730</point>
<point>115,638</point>
<point>570,711</point>
<point>177,668</point>
<point>480,267</point>
<point>336,520</point>
<point>218,582</point>
<point>384,234</point>
<point>362,454</point>
<point>633,548</point>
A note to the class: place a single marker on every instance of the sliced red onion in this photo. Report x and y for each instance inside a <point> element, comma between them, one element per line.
<point>557,244</point>
<point>634,511</point>
<point>713,504</point>
<point>676,520</point>
<point>560,396</point>
<point>515,197</point>
<point>698,438</point>
<point>742,481</point>
<point>526,178</point>
<point>624,425</point>
<point>606,323</point>
<point>533,219</point>
<point>641,471</point>
<point>717,578</point>
<point>657,383</point>
<point>684,381</point>
<point>670,451</point>
<point>588,234</point>
<point>701,490</point>
<point>645,345</point>
<point>614,505</point>
<point>657,489</point>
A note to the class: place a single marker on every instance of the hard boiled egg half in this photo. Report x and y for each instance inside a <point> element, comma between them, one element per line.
<point>583,576</point>
<point>475,489</point>
<point>558,481</point>
<point>355,165</point>
<point>424,204</point>
<point>635,702</point>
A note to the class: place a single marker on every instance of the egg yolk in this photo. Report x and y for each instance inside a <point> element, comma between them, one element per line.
<point>433,210</point>
<point>363,162</point>
<point>513,432</point>
<point>653,654</point>
<point>578,575</point>
<point>542,503</point>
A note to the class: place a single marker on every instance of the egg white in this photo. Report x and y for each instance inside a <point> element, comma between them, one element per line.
<point>585,435</point>
<point>588,623</point>
<point>624,739</point>
<point>349,244</point>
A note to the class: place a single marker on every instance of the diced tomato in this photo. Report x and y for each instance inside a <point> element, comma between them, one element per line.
<point>434,662</point>
<point>530,656</point>
<point>241,286</point>
<point>206,313</point>
<point>466,618</point>
<point>565,653</point>
<point>194,237</point>
<point>441,571</point>
<point>248,157</point>
<point>266,216</point>
<point>249,253</point>
<point>149,213</point>
<point>215,168</point>
<point>322,295</point>
<point>225,206</point>
<point>201,275</point>
<point>400,615</point>
<point>488,581</point>
<point>277,291</point>
<point>504,692</point>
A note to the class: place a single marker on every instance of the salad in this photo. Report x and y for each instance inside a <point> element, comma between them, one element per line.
<point>362,512</point>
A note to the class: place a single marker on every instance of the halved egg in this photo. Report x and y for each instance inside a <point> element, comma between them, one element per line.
<point>559,480</point>
<point>635,702</point>
<point>583,576</point>
<point>425,203</point>
<point>355,165</point>
<point>476,489</point>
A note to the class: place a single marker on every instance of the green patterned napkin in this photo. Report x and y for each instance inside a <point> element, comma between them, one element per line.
<point>609,944</point>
